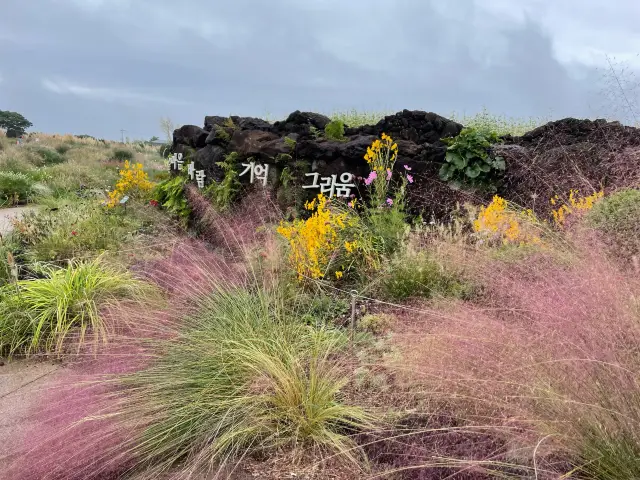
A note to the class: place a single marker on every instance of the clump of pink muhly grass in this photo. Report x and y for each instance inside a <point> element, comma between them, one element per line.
<point>551,349</point>
<point>73,436</point>
<point>239,229</point>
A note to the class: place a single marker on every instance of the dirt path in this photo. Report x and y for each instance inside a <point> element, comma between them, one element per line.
<point>6,214</point>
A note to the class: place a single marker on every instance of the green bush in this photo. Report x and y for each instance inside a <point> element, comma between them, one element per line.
<point>49,156</point>
<point>320,309</point>
<point>63,148</point>
<point>40,315</point>
<point>617,216</point>
<point>468,161</point>
<point>122,154</point>
<point>170,194</point>
<point>334,130</point>
<point>72,230</point>
<point>15,188</point>
<point>418,275</point>
<point>245,377</point>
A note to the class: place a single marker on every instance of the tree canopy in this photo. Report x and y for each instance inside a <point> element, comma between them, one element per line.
<point>14,123</point>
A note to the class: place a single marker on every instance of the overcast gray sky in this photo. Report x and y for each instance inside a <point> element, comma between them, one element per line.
<point>96,66</point>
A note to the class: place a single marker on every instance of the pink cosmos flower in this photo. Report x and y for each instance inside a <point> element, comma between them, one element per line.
<point>389,202</point>
<point>407,167</point>
<point>372,176</point>
<point>410,178</point>
<point>388,174</point>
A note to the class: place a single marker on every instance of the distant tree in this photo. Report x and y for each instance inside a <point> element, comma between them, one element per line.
<point>14,123</point>
<point>154,139</point>
<point>167,127</point>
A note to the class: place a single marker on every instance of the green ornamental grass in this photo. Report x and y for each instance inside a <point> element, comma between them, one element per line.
<point>244,377</point>
<point>41,315</point>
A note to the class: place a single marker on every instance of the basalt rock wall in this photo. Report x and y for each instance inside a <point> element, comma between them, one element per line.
<point>551,159</point>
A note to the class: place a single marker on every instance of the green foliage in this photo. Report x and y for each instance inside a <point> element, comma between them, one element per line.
<point>63,148</point>
<point>122,154</point>
<point>72,230</point>
<point>377,323</point>
<point>41,315</point>
<point>291,143</point>
<point>468,160</point>
<point>223,193</point>
<point>164,150</point>
<point>418,275</point>
<point>222,135</point>
<point>14,123</point>
<point>617,216</point>
<point>8,265</point>
<point>15,187</point>
<point>320,309</point>
<point>334,130</point>
<point>388,228</point>
<point>49,156</point>
<point>245,377</point>
<point>170,194</point>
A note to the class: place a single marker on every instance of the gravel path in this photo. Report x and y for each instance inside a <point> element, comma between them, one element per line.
<point>6,214</point>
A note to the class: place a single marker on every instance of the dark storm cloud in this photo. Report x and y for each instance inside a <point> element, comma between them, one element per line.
<point>95,66</point>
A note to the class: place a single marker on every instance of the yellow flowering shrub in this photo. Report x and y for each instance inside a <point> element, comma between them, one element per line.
<point>575,204</point>
<point>313,241</point>
<point>133,180</point>
<point>498,222</point>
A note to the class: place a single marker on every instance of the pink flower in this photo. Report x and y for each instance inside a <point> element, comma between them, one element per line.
<point>410,178</point>
<point>407,167</point>
<point>372,176</point>
<point>74,233</point>
<point>389,202</point>
<point>388,174</point>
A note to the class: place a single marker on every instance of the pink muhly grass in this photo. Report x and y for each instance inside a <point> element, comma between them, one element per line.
<point>73,434</point>
<point>549,349</point>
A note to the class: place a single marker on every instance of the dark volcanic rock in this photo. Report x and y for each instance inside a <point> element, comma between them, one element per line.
<point>548,160</point>
<point>190,135</point>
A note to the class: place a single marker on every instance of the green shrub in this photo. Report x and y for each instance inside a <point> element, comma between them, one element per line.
<point>122,154</point>
<point>244,377</point>
<point>418,275</point>
<point>15,188</point>
<point>617,216</point>
<point>73,230</point>
<point>63,148</point>
<point>468,161</point>
<point>49,156</point>
<point>320,309</point>
<point>170,194</point>
<point>334,130</point>
<point>40,315</point>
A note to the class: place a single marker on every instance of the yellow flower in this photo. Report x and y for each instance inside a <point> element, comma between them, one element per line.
<point>339,274</point>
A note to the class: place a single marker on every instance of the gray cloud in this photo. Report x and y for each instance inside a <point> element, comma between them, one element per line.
<point>95,66</point>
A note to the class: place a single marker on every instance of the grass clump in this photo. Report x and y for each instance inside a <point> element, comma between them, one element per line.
<point>617,216</point>
<point>50,156</point>
<point>245,377</point>
<point>41,315</point>
<point>122,154</point>
<point>15,188</point>
<point>72,230</point>
<point>419,275</point>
